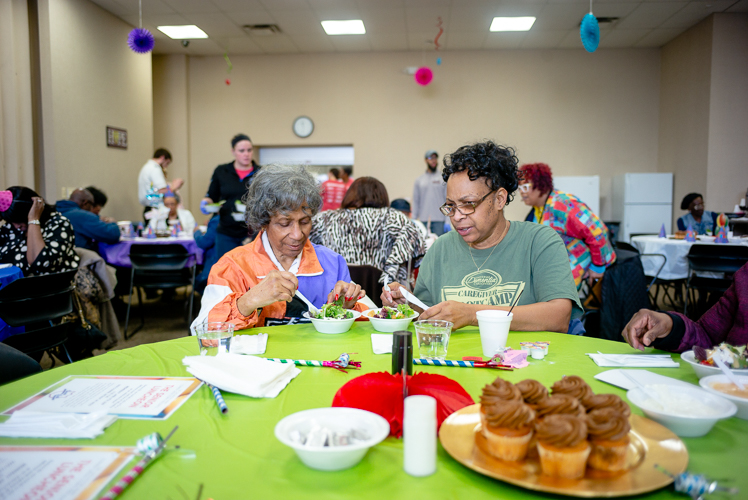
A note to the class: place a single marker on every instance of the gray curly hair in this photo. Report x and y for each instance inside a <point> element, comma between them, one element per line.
<point>280,189</point>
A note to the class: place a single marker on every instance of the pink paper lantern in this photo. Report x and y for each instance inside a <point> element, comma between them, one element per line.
<point>424,76</point>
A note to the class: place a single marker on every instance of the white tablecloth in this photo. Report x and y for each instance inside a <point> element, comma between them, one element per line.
<point>675,250</point>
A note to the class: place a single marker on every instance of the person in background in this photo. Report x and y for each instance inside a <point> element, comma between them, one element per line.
<point>89,228</point>
<point>403,205</point>
<point>333,191</point>
<point>100,199</point>
<point>366,231</point>
<point>726,321</point>
<point>256,284</point>
<point>229,184</point>
<point>429,192</point>
<point>488,262</point>
<point>584,234</point>
<point>345,177</point>
<point>702,221</point>
<point>36,237</point>
<point>175,214</point>
<point>207,242</point>
<point>153,176</point>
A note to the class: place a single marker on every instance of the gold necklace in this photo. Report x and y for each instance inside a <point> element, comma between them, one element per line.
<point>503,233</point>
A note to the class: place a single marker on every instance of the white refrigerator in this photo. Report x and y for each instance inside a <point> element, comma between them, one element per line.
<point>642,203</point>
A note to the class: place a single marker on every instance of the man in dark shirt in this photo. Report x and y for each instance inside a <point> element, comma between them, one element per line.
<point>89,229</point>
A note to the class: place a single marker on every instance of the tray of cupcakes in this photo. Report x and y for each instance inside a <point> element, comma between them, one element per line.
<point>568,441</point>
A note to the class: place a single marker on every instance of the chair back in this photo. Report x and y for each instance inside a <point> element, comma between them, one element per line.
<point>40,340</point>
<point>622,245</point>
<point>167,257</point>
<point>717,258</point>
<point>368,278</point>
<point>37,298</point>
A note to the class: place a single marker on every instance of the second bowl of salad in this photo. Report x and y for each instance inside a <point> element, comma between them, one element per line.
<point>391,319</point>
<point>333,318</point>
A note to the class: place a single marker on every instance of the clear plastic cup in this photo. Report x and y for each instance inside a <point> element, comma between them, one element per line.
<point>214,338</point>
<point>494,330</point>
<point>433,338</point>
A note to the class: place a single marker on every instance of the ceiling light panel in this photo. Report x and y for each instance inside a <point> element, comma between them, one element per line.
<point>184,32</point>
<point>512,23</point>
<point>350,27</point>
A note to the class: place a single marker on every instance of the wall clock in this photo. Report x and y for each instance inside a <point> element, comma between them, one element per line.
<point>303,126</point>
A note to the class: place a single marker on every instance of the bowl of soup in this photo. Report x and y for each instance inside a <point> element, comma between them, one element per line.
<point>721,386</point>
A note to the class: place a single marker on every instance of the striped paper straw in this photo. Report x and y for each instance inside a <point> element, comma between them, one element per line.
<point>444,362</point>
<point>300,362</point>
<point>219,398</point>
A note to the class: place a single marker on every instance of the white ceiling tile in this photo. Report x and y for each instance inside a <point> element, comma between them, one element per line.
<point>384,20</point>
<point>380,4</point>
<point>659,37</point>
<point>281,5</point>
<point>204,47</point>
<point>620,38</point>
<point>469,40</point>
<point>388,41</point>
<point>561,16</point>
<point>313,43</point>
<point>350,43</point>
<point>651,15</point>
<point>741,6</point>
<point>216,25</point>
<point>542,39</point>
<point>238,5</point>
<point>149,7</point>
<point>571,41</point>
<point>427,3</point>
<point>613,9</point>
<point>470,19</point>
<point>112,7</point>
<point>421,41</point>
<point>503,40</point>
<point>421,19</point>
<point>192,6</point>
<point>512,9</point>
<point>694,12</point>
<point>157,19</point>
<point>251,17</point>
<point>276,44</point>
<point>241,45</point>
<point>301,24</point>
<point>335,9</point>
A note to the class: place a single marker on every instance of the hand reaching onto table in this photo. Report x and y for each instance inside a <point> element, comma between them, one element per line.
<point>458,313</point>
<point>351,293</point>
<point>646,326</point>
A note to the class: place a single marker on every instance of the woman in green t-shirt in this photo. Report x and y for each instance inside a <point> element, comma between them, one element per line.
<point>488,262</point>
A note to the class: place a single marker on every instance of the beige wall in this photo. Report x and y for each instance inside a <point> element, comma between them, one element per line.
<point>727,171</point>
<point>582,113</point>
<point>91,79</point>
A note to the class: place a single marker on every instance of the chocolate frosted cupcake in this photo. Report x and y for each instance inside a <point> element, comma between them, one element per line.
<point>563,446</point>
<point>604,401</point>
<point>572,385</point>
<point>508,429</point>
<point>496,392</point>
<point>608,432</point>
<point>532,391</point>
<point>559,404</point>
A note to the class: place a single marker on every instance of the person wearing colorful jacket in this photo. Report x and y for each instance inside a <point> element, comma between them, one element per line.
<point>584,234</point>
<point>725,321</point>
<point>255,284</point>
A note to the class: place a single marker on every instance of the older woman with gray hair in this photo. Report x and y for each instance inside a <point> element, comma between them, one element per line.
<point>256,284</point>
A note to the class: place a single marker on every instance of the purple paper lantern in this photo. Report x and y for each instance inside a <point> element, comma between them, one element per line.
<point>424,76</point>
<point>141,40</point>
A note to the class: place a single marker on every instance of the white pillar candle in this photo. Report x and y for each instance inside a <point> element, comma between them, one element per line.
<point>419,435</point>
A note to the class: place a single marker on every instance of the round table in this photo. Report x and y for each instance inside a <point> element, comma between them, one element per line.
<point>676,267</point>
<point>238,456</point>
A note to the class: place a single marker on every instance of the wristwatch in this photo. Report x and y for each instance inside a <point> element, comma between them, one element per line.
<point>35,221</point>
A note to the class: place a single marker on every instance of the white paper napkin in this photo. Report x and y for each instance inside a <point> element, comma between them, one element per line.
<point>381,343</point>
<point>35,424</point>
<point>634,360</point>
<point>248,375</point>
<point>644,377</point>
<point>249,344</point>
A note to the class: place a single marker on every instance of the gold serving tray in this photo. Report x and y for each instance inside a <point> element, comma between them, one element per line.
<point>651,444</point>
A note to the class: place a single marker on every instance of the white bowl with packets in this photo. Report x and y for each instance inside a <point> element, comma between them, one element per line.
<point>389,325</point>
<point>688,411</point>
<point>332,438</point>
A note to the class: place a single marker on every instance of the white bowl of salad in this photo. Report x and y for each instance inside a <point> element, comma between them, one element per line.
<point>333,318</point>
<point>391,319</point>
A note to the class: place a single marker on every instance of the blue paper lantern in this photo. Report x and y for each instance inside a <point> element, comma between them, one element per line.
<point>590,33</point>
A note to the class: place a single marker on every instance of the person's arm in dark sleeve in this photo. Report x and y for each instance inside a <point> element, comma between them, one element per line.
<point>681,225</point>
<point>214,190</point>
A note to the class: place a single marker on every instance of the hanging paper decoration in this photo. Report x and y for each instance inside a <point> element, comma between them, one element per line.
<point>229,66</point>
<point>141,40</point>
<point>663,233</point>
<point>441,30</point>
<point>590,32</point>
<point>424,75</point>
<point>438,61</point>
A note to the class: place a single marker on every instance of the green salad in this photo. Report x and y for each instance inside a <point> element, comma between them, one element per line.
<point>333,310</point>
<point>402,311</point>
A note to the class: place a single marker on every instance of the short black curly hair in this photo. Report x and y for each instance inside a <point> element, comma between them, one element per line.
<point>498,164</point>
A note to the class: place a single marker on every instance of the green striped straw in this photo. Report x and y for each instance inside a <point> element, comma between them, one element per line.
<point>299,362</point>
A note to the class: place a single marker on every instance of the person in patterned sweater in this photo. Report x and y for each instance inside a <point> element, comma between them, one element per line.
<point>584,234</point>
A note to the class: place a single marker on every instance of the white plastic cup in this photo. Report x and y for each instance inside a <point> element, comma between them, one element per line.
<point>494,330</point>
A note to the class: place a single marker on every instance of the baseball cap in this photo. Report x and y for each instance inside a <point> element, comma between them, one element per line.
<point>431,152</point>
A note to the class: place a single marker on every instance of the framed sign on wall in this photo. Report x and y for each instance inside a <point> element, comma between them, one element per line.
<point>116,137</point>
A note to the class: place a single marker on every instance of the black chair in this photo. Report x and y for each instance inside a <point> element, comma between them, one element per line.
<point>35,302</point>
<point>653,280</point>
<point>159,267</point>
<point>713,258</point>
<point>368,278</point>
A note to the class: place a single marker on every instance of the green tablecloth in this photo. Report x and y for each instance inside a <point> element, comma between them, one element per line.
<point>237,455</point>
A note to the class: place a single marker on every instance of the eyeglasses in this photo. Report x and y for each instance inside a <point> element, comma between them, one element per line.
<point>525,187</point>
<point>698,206</point>
<point>464,208</point>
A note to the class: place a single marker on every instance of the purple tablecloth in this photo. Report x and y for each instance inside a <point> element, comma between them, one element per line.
<point>119,253</point>
<point>8,275</point>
